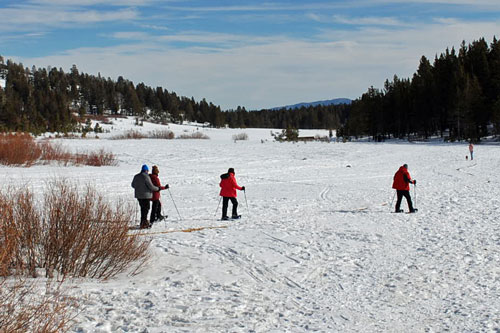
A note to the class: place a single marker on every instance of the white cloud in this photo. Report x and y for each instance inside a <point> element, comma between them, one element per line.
<point>83,3</point>
<point>28,17</point>
<point>376,21</point>
<point>256,72</point>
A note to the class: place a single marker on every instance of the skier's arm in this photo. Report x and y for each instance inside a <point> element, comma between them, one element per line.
<point>156,182</point>
<point>409,180</point>
<point>238,187</point>
<point>150,185</point>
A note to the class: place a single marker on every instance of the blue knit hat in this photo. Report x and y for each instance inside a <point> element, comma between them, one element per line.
<point>144,168</point>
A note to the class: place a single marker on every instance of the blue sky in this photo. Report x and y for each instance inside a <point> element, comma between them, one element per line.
<point>256,54</point>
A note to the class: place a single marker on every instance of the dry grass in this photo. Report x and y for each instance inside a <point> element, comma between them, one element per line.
<point>195,135</point>
<point>72,235</point>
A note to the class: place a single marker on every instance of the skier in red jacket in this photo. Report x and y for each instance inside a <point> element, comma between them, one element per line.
<point>228,192</point>
<point>156,207</point>
<point>402,181</point>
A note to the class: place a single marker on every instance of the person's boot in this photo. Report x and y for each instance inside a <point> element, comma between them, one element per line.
<point>224,218</point>
<point>398,211</point>
<point>144,224</point>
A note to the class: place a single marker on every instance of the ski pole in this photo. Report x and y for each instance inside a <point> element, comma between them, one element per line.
<point>220,199</point>
<point>136,212</point>
<point>393,196</point>
<point>161,211</point>
<point>180,218</point>
<point>415,194</point>
<point>245,192</point>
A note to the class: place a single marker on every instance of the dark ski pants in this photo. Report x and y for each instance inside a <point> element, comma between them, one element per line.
<point>144,203</point>
<point>225,203</point>
<point>155,211</point>
<point>406,194</point>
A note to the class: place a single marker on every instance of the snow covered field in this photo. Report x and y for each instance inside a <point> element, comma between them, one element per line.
<point>317,249</point>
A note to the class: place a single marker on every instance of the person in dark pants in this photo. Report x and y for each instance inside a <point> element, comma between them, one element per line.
<point>144,189</point>
<point>156,203</point>
<point>401,184</point>
<point>228,187</point>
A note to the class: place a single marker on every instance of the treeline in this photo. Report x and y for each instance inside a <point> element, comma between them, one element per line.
<point>48,99</point>
<point>457,97</point>
<point>312,117</point>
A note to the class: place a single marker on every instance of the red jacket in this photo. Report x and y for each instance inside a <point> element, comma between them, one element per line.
<point>402,179</point>
<point>156,182</point>
<point>228,185</point>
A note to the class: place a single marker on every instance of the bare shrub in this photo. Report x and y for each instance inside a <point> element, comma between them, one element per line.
<point>132,134</point>
<point>99,158</point>
<point>28,307</point>
<point>18,149</point>
<point>240,136</point>
<point>157,134</point>
<point>9,237</point>
<point>162,134</point>
<point>86,237</point>
<point>195,135</point>
<point>73,234</point>
<point>21,149</point>
<point>55,152</point>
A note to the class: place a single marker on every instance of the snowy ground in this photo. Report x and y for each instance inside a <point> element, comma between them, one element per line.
<point>318,248</point>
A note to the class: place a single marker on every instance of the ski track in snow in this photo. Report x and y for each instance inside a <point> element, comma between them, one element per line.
<point>316,250</point>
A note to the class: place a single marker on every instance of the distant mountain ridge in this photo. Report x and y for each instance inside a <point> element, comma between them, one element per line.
<point>335,101</point>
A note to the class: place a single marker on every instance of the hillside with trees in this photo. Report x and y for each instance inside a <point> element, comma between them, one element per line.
<point>38,100</point>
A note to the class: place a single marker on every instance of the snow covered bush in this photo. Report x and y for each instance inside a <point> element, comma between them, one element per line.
<point>240,136</point>
<point>195,135</point>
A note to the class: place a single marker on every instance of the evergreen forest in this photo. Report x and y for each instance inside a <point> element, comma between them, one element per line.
<point>456,97</point>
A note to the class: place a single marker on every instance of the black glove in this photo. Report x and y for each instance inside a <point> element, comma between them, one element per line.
<point>166,186</point>
<point>243,188</point>
<point>414,182</point>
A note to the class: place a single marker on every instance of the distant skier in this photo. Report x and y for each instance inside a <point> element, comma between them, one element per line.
<point>156,203</point>
<point>228,192</point>
<point>402,181</point>
<point>144,193</point>
<point>471,151</point>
